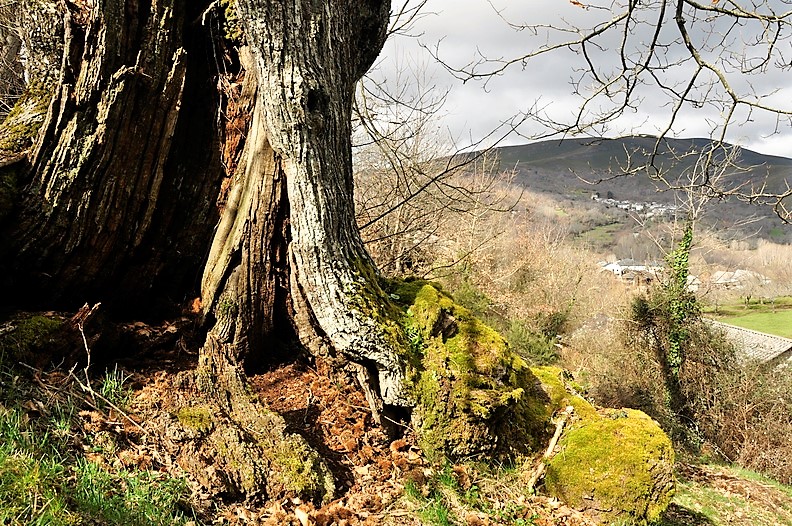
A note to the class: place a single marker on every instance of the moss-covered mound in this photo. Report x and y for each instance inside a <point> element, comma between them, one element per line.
<point>474,395</point>
<point>561,392</point>
<point>27,334</point>
<point>619,464</point>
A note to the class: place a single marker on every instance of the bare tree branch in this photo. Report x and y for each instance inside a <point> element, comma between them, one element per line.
<point>683,54</point>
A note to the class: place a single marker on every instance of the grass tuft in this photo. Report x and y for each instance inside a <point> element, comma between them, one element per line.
<point>45,479</point>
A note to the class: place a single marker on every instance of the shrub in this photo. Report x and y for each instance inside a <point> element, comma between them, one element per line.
<point>534,347</point>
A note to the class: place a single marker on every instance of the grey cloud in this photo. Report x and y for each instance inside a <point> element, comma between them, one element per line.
<point>465,27</point>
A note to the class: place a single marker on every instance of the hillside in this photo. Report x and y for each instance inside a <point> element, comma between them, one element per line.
<point>575,169</point>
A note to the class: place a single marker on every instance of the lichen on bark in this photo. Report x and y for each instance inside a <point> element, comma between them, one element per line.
<point>20,127</point>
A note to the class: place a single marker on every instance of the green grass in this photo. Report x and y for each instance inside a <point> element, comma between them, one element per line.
<point>778,323</point>
<point>601,236</point>
<point>737,307</point>
<point>777,233</point>
<point>758,315</point>
<point>46,480</point>
<point>761,479</point>
<point>112,387</point>
<point>432,497</point>
<point>443,499</point>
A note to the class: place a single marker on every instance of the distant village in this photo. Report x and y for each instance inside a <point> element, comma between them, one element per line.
<point>643,274</point>
<point>645,210</point>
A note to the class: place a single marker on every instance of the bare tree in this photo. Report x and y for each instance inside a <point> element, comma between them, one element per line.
<point>11,70</point>
<point>712,57</point>
<point>412,182</point>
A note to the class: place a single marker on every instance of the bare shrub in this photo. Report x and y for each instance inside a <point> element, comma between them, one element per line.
<point>11,71</point>
<point>745,412</point>
<point>616,367</point>
<point>737,412</point>
<point>519,273</point>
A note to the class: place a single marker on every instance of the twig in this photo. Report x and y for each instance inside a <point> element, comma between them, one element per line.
<point>81,317</point>
<point>78,321</point>
<point>540,469</point>
<point>89,389</point>
<point>87,363</point>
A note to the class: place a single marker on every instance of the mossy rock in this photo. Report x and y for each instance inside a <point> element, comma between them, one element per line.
<point>561,393</point>
<point>618,465</point>
<point>474,394</point>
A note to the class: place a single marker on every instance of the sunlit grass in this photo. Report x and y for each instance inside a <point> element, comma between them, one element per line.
<point>778,323</point>
<point>771,317</point>
<point>46,480</point>
<point>726,501</point>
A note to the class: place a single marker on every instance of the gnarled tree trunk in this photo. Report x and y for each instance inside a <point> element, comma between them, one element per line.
<point>119,207</point>
<point>287,248</point>
<point>287,260</point>
<point>117,203</point>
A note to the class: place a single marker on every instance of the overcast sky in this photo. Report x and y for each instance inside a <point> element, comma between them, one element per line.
<point>460,29</point>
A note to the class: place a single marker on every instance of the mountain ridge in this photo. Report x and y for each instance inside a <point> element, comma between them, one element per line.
<point>566,168</point>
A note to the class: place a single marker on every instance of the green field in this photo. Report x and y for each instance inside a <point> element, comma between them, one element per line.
<point>778,323</point>
<point>601,236</point>
<point>758,316</point>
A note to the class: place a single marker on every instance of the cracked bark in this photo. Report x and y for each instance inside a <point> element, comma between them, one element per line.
<point>119,207</point>
<point>115,207</point>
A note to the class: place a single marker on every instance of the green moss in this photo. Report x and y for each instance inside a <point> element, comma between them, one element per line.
<point>370,296</point>
<point>232,25</point>
<point>30,334</point>
<point>198,417</point>
<point>472,391</point>
<point>404,291</point>
<point>300,470</point>
<point>22,123</point>
<point>555,385</point>
<point>619,465</point>
<point>475,394</point>
<point>227,308</point>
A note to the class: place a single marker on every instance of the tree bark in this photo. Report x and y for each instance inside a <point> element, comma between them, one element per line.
<point>119,207</point>
<point>115,207</point>
<point>288,255</point>
<point>40,27</point>
<point>287,261</point>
